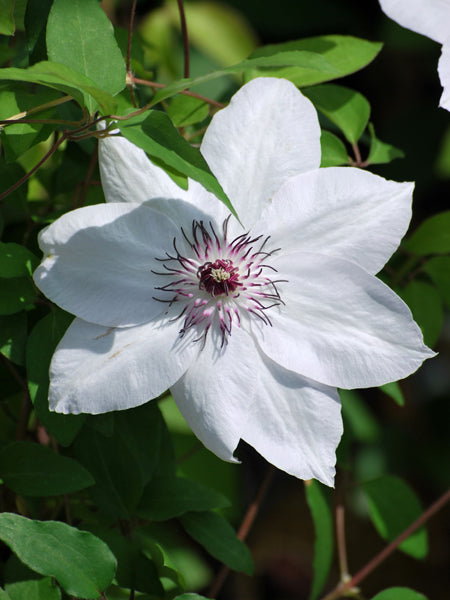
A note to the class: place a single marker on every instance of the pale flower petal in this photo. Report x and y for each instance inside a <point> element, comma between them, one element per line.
<point>428,17</point>
<point>129,176</point>
<point>444,75</point>
<point>267,134</point>
<point>97,369</point>
<point>292,422</point>
<point>341,326</point>
<point>343,212</point>
<point>99,260</point>
<point>295,423</point>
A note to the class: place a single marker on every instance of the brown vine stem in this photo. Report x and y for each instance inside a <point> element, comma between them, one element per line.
<point>130,36</point>
<point>16,185</point>
<point>341,544</point>
<point>39,108</point>
<point>344,587</point>
<point>246,524</point>
<point>184,33</point>
<point>153,84</point>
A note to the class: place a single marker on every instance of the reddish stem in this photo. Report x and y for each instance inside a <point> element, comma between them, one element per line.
<point>153,84</point>
<point>16,185</point>
<point>246,524</point>
<point>184,33</point>
<point>130,36</point>
<point>345,587</point>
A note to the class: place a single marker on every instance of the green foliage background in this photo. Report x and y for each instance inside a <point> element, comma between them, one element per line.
<point>132,493</point>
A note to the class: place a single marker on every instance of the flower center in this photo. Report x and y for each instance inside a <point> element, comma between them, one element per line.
<point>219,278</point>
<point>216,284</point>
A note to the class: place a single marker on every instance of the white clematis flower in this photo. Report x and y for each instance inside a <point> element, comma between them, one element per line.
<point>252,326</point>
<point>430,18</point>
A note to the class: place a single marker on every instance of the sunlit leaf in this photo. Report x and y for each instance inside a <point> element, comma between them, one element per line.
<point>82,564</point>
<point>185,110</point>
<point>80,36</point>
<point>346,108</point>
<point>345,53</point>
<point>334,152</point>
<point>62,78</point>
<point>379,151</point>
<point>161,141</point>
<point>7,25</point>
<point>399,593</point>
<point>310,61</point>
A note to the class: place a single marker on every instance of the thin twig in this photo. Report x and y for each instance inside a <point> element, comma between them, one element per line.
<point>39,108</point>
<point>16,185</point>
<point>87,181</point>
<point>184,33</point>
<point>341,544</point>
<point>246,524</point>
<point>130,36</point>
<point>345,587</point>
<point>153,84</point>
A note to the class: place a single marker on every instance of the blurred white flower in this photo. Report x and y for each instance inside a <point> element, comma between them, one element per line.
<point>430,18</point>
<point>251,325</point>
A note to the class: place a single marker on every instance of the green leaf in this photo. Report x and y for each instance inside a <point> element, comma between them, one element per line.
<point>35,21</point>
<point>42,342</point>
<point>33,589</point>
<point>118,483</point>
<point>7,25</point>
<point>358,418</point>
<point>324,543</point>
<point>346,54</point>
<point>310,61</point>
<point>80,36</point>
<point>4,595</point>
<point>141,430</point>
<point>82,564</point>
<point>161,141</point>
<point>20,137</point>
<point>13,337</point>
<point>31,469</point>
<point>426,306</point>
<point>62,78</point>
<point>16,261</point>
<point>431,237</point>
<point>16,293</point>
<point>185,110</point>
<point>347,109</point>
<point>334,152</point>
<point>394,391</point>
<point>438,268</point>
<point>218,538</point>
<point>134,570</point>
<point>188,596</point>
<point>169,497</point>
<point>393,507</point>
<point>399,593</point>
<point>380,152</point>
